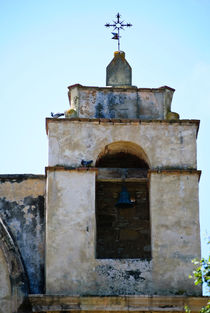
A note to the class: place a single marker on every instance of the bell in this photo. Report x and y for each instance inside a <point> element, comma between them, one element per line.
<point>124,200</point>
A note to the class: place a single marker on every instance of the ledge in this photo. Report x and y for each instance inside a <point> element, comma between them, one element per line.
<point>110,88</point>
<point>17,178</point>
<point>56,303</point>
<point>132,179</point>
<point>175,172</point>
<point>69,169</point>
<point>119,121</point>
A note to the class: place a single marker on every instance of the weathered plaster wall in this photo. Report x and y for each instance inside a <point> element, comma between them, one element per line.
<point>154,104</point>
<point>71,267</point>
<point>167,145</point>
<point>70,231</point>
<point>132,103</point>
<point>175,230</point>
<point>22,210</point>
<point>5,287</point>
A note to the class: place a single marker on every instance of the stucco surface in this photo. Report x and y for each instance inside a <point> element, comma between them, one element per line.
<point>132,103</point>
<point>175,231</point>
<point>5,287</point>
<point>166,145</point>
<point>22,210</point>
<point>71,267</point>
<point>70,221</point>
<point>16,191</point>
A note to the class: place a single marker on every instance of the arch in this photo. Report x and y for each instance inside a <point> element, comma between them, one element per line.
<point>123,147</point>
<point>18,278</point>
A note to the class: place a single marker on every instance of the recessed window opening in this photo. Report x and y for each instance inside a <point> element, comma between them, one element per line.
<point>122,232</point>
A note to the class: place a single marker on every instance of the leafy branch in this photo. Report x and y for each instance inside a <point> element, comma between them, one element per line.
<point>201,275</point>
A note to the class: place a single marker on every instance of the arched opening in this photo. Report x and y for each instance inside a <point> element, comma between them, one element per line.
<point>122,231</point>
<point>121,160</point>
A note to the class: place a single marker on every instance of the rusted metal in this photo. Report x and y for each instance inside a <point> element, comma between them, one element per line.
<point>117,25</point>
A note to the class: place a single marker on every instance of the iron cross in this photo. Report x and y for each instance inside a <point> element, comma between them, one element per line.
<point>118,25</point>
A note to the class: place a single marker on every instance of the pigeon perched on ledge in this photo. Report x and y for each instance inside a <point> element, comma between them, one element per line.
<point>57,115</point>
<point>86,163</point>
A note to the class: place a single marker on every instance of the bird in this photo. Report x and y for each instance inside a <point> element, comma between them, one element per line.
<point>86,163</point>
<point>56,115</point>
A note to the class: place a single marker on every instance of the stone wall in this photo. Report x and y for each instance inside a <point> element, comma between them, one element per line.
<point>164,144</point>
<point>22,210</point>
<point>175,229</point>
<point>125,303</point>
<point>132,103</point>
<point>169,149</point>
<point>72,268</point>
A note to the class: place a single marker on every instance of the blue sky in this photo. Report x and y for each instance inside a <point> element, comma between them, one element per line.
<point>47,45</point>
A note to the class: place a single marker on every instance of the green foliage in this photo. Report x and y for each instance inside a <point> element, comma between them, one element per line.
<point>206,309</point>
<point>187,309</point>
<point>201,275</point>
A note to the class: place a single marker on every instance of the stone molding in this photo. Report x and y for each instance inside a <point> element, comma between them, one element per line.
<point>56,303</point>
<point>175,172</point>
<point>162,88</point>
<point>63,168</point>
<point>19,177</point>
<point>120,121</point>
<point>150,171</point>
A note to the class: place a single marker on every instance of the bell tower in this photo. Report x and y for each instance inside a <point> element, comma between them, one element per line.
<point>113,225</point>
<point>122,214</point>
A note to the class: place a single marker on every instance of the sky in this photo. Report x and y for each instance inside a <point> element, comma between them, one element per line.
<point>47,45</point>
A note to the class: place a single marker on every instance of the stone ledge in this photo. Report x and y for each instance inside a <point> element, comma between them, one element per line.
<point>71,169</point>
<point>56,303</point>
<point>13,178</point>
<point>175,172</point>
<point>110,88</point>
<point>122,122</point>
<point>150,171</point>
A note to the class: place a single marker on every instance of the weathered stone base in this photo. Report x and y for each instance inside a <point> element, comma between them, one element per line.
<point>45,303</point>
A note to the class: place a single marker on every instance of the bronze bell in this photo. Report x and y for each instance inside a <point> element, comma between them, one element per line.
<point>124,200</point>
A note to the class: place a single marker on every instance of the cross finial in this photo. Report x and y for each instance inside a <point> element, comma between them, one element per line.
<point>118,24</point>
